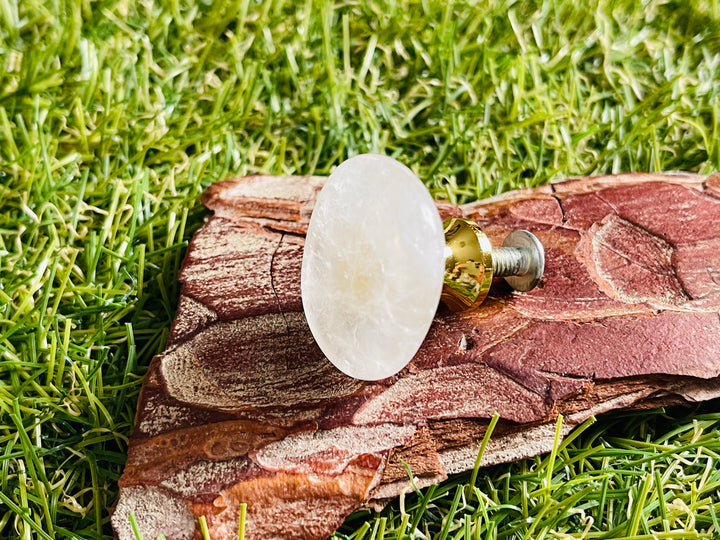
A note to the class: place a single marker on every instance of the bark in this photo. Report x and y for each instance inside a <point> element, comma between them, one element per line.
<point>242,406</point>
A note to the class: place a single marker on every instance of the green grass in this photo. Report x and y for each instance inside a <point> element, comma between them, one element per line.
<point>597,483</point>
<point>115,115</point>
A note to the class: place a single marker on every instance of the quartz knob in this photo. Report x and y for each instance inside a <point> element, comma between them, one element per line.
<point>377,260</point>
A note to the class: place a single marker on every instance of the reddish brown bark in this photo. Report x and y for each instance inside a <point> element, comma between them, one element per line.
<point>242,406</point>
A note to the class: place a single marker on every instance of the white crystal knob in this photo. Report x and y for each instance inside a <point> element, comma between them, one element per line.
<point>373,265</point>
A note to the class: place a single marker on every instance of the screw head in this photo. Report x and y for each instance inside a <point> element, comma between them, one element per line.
<point>521,238</point>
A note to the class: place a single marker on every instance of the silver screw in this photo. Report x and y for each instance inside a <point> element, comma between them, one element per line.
<point>520,260</point>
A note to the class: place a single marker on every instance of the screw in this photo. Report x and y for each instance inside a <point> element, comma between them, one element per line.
<point>521,260</point>
<point>471,263</point>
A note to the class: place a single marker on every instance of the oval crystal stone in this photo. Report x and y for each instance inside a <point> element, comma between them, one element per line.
<point>372,268</point>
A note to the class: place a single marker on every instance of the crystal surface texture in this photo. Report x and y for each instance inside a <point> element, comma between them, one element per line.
<point>373,265</point>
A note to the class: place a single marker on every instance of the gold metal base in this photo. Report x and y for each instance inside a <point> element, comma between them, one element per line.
<point>468,265</point>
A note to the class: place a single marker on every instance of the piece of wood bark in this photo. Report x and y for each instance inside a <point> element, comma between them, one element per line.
<point>242,406</point>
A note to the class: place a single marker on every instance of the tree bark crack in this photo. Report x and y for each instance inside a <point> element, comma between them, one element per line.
<point>671,271</point>
<point>560,204</point>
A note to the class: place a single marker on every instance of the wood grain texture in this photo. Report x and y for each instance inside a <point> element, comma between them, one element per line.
<point>242,406</point>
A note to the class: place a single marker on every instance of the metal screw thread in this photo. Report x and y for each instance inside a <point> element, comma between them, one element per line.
<point>511,261</point>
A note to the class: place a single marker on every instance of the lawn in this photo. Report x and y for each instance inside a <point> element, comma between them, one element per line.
<point>115,115</point>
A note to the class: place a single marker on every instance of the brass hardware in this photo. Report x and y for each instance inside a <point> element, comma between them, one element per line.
<point>468,265</point>
<point>471,263</point>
